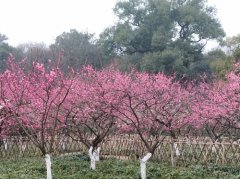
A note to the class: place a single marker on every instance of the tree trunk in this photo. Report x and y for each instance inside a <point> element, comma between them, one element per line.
<point>94,156</point>
<point>23,145</point>
<point>98,154</point>
<point>5,142</point>
<point>48,165</point>
<point>176,149</point>
<point>172,154</point>
<point>143,163</point>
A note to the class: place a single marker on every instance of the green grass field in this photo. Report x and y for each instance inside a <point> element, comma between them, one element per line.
<point>77,167</point>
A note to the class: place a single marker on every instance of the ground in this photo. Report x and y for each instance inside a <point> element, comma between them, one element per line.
<point>74,167</point>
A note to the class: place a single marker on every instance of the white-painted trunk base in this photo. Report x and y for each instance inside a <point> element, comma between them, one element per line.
<point>24,146</point>
<point>62,144</point>
<point>48,165</point>
<point>94,157</point>
<point>98,154</point>
<point>5,142</point>
<point>176,149</point>
<point>143,163</point>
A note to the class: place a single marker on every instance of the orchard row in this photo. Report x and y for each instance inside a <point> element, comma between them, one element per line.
<point>43,103</point>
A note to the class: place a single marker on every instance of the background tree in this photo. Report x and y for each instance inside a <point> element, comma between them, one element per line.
<point>167,36</point>
<point>35,52</point>
<point>5,50</point>
<point>219,62</point>
<point>232,46</point>
<point>79,49</point>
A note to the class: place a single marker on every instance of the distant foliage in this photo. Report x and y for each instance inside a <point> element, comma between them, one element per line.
<point>167,36</point>
<point>79,49</point>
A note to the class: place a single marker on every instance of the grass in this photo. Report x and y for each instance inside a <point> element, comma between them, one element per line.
<point>74,167</point>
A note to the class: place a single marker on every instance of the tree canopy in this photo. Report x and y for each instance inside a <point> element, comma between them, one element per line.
<point>79,49</point>
<point>5,49</point>
<point>168,36</point>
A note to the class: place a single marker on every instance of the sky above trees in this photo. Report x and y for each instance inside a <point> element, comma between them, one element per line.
<point>42,21</point>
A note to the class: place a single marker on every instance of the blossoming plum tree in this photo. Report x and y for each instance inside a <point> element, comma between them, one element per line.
<point>35,102</point>
<point>215,111</point>
<point>91,117</point>
<point>152,106</point>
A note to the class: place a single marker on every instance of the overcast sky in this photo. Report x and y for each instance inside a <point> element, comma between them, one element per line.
<point>25,21</point>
